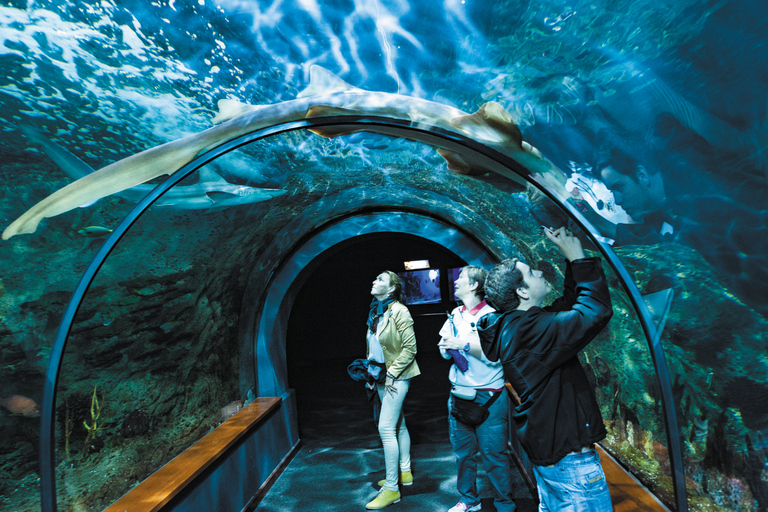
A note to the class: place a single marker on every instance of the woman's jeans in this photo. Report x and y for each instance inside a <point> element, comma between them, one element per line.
<point>576,483</point>
<point>394,433</point>
<point>489,440</point>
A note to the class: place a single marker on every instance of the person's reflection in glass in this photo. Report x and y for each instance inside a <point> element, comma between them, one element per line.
<point>638,187</point>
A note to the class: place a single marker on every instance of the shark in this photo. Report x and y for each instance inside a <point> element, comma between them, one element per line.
<point>326,95</point>
<point>637,102</point>
<point>211,191</point>
<point>626,93</point>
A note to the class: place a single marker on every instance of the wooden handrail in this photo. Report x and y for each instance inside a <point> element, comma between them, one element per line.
<point>626,492</point>
<point>160,487</point>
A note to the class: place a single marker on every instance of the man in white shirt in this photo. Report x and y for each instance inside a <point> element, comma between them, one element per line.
<point>485,380</point>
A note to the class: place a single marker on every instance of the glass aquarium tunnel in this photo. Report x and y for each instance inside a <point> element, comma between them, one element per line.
<point>331,220</point>
<point>139,312</point>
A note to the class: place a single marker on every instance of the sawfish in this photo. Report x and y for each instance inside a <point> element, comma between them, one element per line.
<point>210,192</point>
<point>326,95</point>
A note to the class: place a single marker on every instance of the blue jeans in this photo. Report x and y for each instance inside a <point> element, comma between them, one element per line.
<point>489,440</point>
<point>576,483</point>
<point>394,433</point>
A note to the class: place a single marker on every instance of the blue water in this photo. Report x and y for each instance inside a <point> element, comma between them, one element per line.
<point>685,80</point>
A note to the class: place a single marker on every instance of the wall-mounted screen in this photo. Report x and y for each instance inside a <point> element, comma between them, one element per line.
<point>453,275</point>
<point>421,286</point>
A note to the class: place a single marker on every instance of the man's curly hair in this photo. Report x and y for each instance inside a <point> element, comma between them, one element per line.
<point>502,283</point>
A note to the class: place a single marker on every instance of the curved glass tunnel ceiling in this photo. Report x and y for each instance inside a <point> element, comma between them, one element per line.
<point>278,241</point>
<point>146,341</point>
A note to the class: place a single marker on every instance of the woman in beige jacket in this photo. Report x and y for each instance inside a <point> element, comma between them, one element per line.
<point>391,341</point>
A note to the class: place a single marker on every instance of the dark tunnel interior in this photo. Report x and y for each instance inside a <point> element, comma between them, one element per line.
<point>327,323</point>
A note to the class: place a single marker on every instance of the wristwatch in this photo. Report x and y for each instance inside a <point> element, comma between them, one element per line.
<point>466,347</point>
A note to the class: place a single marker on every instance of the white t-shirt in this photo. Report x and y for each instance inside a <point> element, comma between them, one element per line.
<point>481,373</point>
<point>375,352</point>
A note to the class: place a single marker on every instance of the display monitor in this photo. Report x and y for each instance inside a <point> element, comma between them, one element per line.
<point>421,286</point>
<point>453,275</point>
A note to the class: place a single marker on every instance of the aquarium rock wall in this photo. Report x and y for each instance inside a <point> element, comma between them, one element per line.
<point>291,128</point>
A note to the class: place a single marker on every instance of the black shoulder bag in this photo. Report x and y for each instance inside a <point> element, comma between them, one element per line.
<point>470,412</point>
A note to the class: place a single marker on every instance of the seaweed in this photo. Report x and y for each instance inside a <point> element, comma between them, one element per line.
<point>95,427</point>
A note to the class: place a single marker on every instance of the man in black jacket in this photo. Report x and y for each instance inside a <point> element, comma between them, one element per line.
<point>558,420</point>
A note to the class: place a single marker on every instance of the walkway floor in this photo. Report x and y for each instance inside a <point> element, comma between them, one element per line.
<point>341,458</point>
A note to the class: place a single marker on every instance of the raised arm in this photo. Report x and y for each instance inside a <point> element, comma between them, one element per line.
<point>570,329</point>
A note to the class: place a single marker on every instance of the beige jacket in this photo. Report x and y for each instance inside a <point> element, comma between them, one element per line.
<point>398,342</point>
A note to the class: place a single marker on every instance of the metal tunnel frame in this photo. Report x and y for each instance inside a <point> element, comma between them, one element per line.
<point>389,126</point>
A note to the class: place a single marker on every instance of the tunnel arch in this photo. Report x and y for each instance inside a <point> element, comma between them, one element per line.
<point>481,154</point>
<point>269,333</point>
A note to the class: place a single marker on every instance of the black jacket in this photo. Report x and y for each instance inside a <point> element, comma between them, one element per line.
<point>558,413</point>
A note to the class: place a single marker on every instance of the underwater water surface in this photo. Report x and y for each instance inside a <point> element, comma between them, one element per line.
<point>162,345</point>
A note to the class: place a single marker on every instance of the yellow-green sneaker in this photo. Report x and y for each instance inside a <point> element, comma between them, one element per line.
<point>406,478</point>
<point>383,499</point>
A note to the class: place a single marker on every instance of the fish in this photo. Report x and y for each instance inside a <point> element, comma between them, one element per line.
<point>627,93</point>
<point>230,410</point>
<point>67,162</point>
<point>636,103</point>
<point>700,429</point>
<point>211,191</point>
<point>21,406</point>
<point>169,326</point>
<point>326,95</point>
<point>94,231</point>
